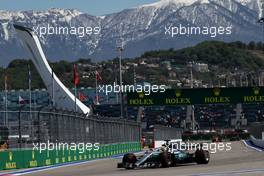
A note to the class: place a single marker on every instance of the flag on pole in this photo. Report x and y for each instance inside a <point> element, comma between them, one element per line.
<point>98,76</point>
<point>6,101</point>
<point>97,99</point>
<point>29,76</point>
<point>52,89</point>
<point>82,97</point>
<point>29,88</point>
<point>76,78</point>
<point>5,82</point>
<point>21,100</point>
<point>29,84</point>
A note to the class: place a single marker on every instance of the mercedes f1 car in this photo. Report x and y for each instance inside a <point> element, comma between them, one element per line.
<point>164,158</point>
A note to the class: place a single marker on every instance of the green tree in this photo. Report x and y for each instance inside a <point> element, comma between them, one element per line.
<point>252,45</point>
<point>259,46</point>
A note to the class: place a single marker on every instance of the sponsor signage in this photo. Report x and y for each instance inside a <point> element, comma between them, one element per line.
<point>198,96</point>
<point>21,159</point>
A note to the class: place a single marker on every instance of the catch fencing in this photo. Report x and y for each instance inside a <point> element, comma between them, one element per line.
<point>166,133</point>
<point>26,128</point>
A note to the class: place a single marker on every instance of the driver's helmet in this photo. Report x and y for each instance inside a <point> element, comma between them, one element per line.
<point>163,148</point>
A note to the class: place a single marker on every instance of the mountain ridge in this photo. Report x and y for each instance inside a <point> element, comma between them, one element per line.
<point>141,28</point>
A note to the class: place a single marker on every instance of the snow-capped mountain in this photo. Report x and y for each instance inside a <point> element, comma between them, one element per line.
<point>141,28</point>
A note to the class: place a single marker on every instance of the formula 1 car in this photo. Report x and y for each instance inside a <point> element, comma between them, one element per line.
<point>164,158</point>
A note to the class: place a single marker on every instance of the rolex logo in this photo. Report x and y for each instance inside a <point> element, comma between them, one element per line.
<point>217,91</point>
<point>33,155</point>
<point>256,90</point>
<point>141,95</point>
<point>178,93</point>
<point>10,156</point>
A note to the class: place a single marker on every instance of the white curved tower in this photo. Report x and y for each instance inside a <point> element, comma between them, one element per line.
<point>62,96</point>
<point>261,9</point>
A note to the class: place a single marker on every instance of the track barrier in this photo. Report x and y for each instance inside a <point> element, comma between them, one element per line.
<point>21,159</point>
<point>257,142</point>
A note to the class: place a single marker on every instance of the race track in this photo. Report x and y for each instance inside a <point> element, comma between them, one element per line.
<point>239,161</point>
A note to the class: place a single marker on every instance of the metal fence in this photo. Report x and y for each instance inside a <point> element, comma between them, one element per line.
<point>26,128</point>
<point>257,130</point>
<point>166,133</point>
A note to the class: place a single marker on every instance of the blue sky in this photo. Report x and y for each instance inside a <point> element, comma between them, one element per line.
<point>94,7</point>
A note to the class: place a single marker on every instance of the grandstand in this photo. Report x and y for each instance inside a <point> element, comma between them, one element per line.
<point>42,98</point>
<point>207,116</point>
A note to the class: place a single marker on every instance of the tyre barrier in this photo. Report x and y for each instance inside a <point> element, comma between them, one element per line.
<point>21,159</point>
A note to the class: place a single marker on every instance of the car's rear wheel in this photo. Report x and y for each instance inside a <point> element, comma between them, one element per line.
<point>202,156</point>
<point>129,161</point>
<point>165,159</point>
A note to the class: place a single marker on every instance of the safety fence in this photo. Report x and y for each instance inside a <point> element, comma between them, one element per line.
<point>19,159</point>
<point>210,136</point>
<point>23,128</point>
<point>164,133</point>
<point>257,130</point>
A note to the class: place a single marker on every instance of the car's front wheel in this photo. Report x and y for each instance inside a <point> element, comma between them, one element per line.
<point>202,156</point>
<point>165,159</point>
<point>129,161</point>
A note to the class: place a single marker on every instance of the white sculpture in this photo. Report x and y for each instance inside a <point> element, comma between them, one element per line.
<point>261,5</point>
<point>62,97</point>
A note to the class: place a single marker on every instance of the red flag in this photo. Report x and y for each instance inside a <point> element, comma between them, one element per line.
<point>97,99</point>
<point>5,82</point>
<point>82,97</point>
<point>76,78</point>
<point>98,76</point>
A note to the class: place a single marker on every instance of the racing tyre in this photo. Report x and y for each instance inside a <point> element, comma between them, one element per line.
<point>129,161</point>
<point>202,156</point>
<point>173,162</point>
<point>164,159</point>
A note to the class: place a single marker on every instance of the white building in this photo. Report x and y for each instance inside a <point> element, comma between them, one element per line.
<point>200,67</point>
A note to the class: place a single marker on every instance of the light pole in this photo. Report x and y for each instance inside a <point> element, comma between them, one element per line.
<point>261,22</point>
<point>190,108</point>
<point>191,73</point>
<point>19,126</point>
<point>134,75</point>
<point>39,127</point>
<point>120,49</point>
<point>241,79</point>
<point>6,102</point>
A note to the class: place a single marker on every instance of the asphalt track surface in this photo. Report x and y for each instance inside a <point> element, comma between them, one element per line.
<point>241,160</point>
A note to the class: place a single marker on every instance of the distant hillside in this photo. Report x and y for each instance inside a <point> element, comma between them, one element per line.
<point>224,55</point>
<point>222,58</point>
<point>143,28</point>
